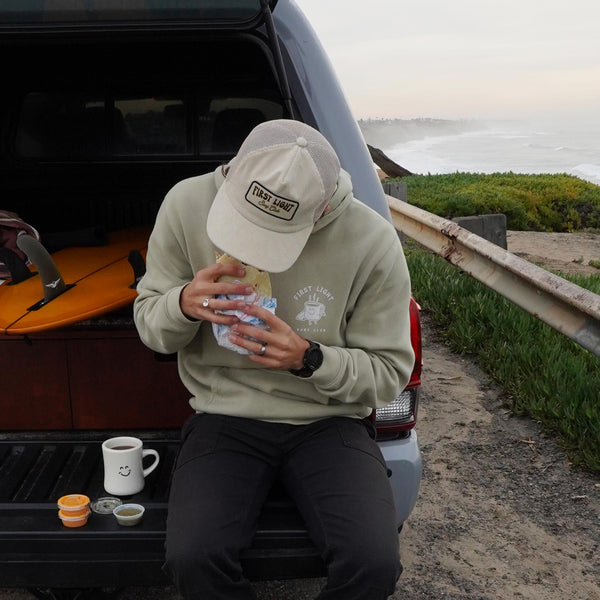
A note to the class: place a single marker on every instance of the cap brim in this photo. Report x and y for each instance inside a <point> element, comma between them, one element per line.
<point>262,248</point>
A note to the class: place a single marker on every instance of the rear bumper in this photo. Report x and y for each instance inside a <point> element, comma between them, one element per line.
<point>403,458</point>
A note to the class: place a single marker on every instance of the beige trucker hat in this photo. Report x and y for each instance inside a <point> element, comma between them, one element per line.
<point>277,187</point>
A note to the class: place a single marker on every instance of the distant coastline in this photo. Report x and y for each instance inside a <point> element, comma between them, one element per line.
<point>386,133</point>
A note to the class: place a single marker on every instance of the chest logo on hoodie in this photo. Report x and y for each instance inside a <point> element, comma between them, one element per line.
<point>313,311</point>
<point>313,300</point>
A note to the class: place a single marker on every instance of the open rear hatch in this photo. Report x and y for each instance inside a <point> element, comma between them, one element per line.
<point>31,15</point>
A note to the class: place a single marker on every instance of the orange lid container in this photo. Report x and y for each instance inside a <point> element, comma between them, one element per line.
<point>70,520</point>
<point>73,505</point>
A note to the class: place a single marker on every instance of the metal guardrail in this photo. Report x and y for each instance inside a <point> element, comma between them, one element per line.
<point>565,306</point>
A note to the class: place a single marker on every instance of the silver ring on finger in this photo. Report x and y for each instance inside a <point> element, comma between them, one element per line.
<point>206,303</point>
<point>263,349</point>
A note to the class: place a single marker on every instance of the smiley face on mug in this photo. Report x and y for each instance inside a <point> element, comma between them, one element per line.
<point>124,473</point>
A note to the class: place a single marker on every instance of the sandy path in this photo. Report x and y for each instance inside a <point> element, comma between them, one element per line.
<point>501,514</point>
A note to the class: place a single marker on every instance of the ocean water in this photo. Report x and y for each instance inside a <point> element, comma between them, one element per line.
<point>436,146</point>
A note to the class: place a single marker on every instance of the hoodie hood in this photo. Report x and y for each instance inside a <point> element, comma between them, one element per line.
<point>340,200</point>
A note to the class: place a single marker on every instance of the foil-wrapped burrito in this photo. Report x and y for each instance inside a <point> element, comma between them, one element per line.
<point>261,283</point>
<point>221,332</point>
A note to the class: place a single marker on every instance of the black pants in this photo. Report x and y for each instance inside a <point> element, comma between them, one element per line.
<point>332,469</point>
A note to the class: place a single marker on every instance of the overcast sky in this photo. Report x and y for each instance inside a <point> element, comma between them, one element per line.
<point>464,58</point>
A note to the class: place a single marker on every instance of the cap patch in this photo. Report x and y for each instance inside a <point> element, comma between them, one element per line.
<point>272,204</point>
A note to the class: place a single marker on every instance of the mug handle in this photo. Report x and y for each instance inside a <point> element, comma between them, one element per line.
<point>153,466</point>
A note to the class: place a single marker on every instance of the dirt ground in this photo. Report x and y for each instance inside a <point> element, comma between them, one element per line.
<point>568,252</point>
<point>501,514</point>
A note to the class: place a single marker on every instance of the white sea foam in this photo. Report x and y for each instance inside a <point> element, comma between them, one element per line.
<point>587,172</point>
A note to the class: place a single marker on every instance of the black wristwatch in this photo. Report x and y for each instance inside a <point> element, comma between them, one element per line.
<point>313,359</point>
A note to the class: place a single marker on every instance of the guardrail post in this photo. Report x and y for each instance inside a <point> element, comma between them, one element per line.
<point>397,189</point>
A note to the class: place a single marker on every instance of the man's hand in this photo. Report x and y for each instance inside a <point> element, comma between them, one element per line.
<point>284,348</point>
<point>197,299</point>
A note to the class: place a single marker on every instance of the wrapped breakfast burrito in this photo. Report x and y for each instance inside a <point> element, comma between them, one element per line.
<point>261,283</point>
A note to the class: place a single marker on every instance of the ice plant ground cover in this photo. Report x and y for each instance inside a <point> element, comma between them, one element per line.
<point>545,374</point>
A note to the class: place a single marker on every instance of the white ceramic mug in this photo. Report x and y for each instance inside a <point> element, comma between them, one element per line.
<point>124,472</point>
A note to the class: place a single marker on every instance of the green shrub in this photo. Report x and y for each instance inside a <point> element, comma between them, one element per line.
<point>530,202</point>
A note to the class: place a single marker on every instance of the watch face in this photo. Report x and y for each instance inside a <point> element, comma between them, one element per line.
<point>313,357</point>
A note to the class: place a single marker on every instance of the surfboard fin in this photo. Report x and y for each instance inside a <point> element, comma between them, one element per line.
<point>52,281</point>
<point>16,266</point>
<point>136,260</point>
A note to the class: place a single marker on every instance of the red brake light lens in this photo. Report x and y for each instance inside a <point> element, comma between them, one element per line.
<point>400,416</point>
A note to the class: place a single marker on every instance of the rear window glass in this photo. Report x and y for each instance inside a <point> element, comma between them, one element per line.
<point>136,99</point>
<point>153,126</point>
<point>72,126</point>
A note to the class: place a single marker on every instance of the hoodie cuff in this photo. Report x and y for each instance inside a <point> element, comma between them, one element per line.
<point>329,374</point>
<point>174,312</point>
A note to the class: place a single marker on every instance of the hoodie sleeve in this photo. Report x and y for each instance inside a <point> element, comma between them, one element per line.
<point>160,322</point>
<point>377,361</point>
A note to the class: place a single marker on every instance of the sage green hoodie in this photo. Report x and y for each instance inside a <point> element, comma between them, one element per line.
<point>349,291</point>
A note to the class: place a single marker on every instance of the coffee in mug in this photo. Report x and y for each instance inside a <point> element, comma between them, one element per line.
<point>124,472</point>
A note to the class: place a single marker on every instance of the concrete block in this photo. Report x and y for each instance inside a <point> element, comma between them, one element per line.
<point>396,189</point>
<point>489,227</point>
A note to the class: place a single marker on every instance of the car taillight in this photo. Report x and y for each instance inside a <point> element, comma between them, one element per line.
<point>399,416</point>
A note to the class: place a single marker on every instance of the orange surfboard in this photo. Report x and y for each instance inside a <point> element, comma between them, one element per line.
<point>98,279</point>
